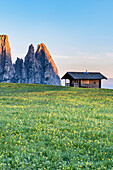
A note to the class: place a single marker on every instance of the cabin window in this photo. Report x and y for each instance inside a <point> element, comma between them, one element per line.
<point>85,81</point>
<point>74,81</point>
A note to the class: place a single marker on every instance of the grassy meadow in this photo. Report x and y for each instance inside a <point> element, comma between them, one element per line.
<point>53,127</point>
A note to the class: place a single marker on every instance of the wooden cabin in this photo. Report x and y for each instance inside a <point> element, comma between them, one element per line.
<point>83,79</point>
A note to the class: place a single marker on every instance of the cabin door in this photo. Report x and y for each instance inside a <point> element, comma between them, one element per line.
<point>79,83</point>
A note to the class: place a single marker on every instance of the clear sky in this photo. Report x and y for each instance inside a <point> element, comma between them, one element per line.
<point>78,33</point>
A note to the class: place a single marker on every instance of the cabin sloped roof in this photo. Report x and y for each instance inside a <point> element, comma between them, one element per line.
<point>84,75</point>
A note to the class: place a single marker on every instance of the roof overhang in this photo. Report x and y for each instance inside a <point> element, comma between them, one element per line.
<point>84,76</point>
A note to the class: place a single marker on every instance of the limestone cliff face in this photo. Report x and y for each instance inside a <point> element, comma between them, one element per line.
<point>6,67</point>
<point>20,74</point>
<point>38,67</point>
<point>48,70</point>
<point>30,65</point>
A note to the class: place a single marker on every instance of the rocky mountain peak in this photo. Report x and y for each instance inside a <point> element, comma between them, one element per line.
<point>48,70</point>
<point>31,49</point>
<point>4,46</point>
<point>6,67</point>
<point>42,51</point>
<point>42,46</point>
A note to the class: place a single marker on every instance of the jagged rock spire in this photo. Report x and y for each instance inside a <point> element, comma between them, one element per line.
<point>5,49</point>
<point>30,65</point>
<point>49,71</point>
<point>6,67</point>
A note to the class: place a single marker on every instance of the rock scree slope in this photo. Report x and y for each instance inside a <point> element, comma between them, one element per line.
<point>37,67</point>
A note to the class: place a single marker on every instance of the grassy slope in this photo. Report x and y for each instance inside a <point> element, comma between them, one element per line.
<point>50,127</point>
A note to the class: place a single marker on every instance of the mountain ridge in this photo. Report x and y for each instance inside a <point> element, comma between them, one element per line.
<point>37,66</point>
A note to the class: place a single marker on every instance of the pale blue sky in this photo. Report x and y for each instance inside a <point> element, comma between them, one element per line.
<point>78,33</point>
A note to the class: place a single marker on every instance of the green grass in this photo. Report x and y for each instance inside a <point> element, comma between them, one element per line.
<point>53,127</point>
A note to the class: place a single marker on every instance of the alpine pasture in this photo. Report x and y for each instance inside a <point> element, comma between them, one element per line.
<point>55,127</point>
